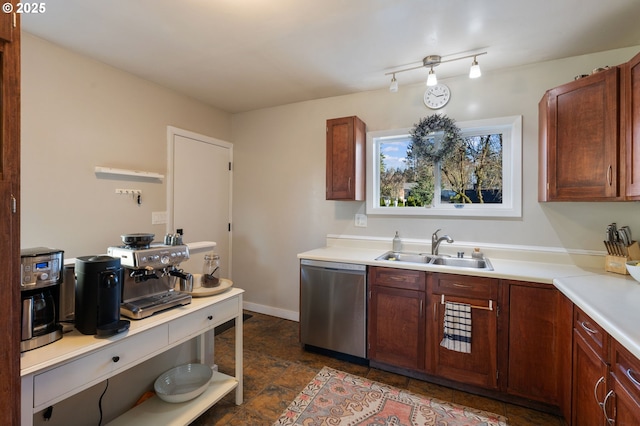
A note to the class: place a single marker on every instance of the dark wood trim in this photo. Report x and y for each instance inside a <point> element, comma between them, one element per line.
<point>10,219</point>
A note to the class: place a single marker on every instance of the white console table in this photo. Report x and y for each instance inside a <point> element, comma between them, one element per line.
<point>76,362</point>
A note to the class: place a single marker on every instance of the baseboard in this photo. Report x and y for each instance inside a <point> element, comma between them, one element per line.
<point>270,310</point>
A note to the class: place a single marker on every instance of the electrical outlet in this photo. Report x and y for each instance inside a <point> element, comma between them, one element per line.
<point>361,220</point>
<point>158,218</point>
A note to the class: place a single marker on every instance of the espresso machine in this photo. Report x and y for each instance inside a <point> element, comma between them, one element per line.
<point>40,281</point>
<point>151,271</point>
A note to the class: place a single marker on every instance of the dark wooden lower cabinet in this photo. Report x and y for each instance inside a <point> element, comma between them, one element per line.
<point>396,322</point>
<point>590,373</point>
<point>539,342</point>
<point>533,347</point>
<point>624,406</point>
<point>478,367</point>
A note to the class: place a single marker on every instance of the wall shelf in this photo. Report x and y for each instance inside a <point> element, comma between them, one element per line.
<point>130,173</point>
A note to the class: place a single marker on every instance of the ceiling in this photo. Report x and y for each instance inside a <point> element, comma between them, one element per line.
<point>241,55</point>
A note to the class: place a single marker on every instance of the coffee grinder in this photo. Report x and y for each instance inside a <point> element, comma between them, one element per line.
<point>98,296</point>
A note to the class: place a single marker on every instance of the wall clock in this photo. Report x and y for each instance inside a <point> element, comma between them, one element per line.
<point>435,97</point>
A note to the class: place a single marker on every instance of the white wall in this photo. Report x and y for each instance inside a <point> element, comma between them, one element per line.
<point>78,113</point>
<point>279,177</point>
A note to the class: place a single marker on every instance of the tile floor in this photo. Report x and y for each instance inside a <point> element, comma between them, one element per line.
<point>277,368</point>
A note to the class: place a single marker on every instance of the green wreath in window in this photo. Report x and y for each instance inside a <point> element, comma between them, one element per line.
<point>432,148</point>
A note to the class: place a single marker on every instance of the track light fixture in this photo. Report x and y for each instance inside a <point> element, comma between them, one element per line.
<point>432,61</point>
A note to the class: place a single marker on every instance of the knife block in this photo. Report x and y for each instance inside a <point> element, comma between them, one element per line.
<point>617,264</point>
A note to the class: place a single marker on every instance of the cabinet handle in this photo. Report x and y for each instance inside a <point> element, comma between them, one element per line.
<point>435,312</point>
<point>630,373</point>
<point>349,190</point>
<point>462,285</point>
<point>595,390</point>
<point>604,408</point>
<point>210,317</point>
<point>587,329</point>
<point>610,174</point>
<point>421,309</point>
<point>115,358</point>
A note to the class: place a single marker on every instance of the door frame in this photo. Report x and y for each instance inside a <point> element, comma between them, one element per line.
<point>175,131</point>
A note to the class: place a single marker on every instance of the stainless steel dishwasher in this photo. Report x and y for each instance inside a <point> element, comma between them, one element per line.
<point>333,306</point>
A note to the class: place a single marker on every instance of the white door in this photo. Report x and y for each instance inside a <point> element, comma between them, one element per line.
<point>199,194</point>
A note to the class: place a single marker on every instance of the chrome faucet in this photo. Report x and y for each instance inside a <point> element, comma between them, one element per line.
<point>435,241</point>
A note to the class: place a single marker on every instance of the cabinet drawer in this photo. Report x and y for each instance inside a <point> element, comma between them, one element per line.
<point>397,278</point>
<point>83,372</point>
<point>465,286</point>
<point>592,332</point>
<point>626,368</point>
<point>203,319</point>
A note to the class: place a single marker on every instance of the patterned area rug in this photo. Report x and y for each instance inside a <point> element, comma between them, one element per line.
<point>337,398</point>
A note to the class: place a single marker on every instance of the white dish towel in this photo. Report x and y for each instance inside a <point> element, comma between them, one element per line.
<point>457,327</point>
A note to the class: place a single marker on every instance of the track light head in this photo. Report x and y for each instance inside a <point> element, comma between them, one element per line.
<point>432,80</point>
<point>394,84</point>
<point>474,71</point>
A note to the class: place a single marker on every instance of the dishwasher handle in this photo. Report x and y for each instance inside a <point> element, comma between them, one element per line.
<point>338,266</point>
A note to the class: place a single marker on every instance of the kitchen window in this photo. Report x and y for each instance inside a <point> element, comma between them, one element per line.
<point>482,178</point>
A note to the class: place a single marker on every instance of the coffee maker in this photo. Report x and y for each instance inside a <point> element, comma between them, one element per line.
<point>40,281</point>
<point>98,296</point>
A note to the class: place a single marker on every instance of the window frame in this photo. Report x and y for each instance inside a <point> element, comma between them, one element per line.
<point>510,127</point>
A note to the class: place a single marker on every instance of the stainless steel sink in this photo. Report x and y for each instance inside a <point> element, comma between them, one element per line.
<point>439,260</point>
<point>406,257</point>
<point>464,262</point>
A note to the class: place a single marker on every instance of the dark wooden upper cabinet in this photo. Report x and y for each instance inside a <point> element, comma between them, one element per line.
<point>580,146</point>
<point>346,139</point>
<point>631,123</point>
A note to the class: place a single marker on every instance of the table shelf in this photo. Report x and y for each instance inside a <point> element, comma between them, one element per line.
<point>154,411</point>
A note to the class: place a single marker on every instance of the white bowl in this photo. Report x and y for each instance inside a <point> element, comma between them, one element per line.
<point>633,266</point>
<point>183,382</point>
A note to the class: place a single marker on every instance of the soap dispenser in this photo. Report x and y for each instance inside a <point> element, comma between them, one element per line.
<point>477,254</point>
<point>397,243</point>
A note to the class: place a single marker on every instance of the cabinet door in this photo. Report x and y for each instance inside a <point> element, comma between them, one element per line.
<point>345,159</point>
<point>589,384</point>
<point>625,383</point>
<point>626,408</point>
<point>579,138</point>
<point>480,367</point>
<point>539,343</point>
<point>477,368</point>
<point>396,328</point>
<point>631,84</point>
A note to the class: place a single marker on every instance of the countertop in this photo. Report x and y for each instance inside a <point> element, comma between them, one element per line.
<point>612,300</point>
